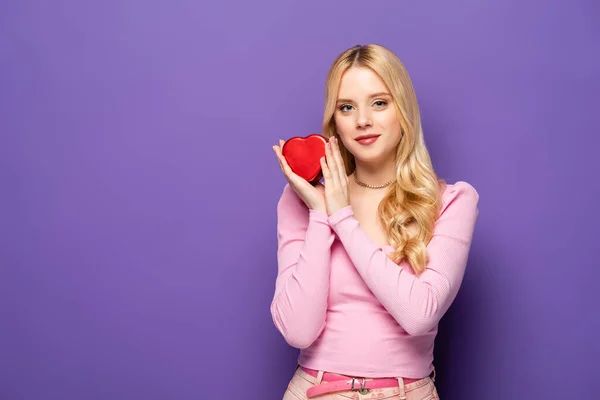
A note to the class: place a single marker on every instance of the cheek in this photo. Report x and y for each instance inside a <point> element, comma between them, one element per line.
<point>388,119</point>
<point>344,127</point>
<point>390,123</point>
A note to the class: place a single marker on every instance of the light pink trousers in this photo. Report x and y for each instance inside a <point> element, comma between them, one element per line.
<point>423,389</point>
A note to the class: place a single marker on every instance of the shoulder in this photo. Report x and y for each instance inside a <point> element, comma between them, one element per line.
<point>459,211</point>
<point>460,194</point>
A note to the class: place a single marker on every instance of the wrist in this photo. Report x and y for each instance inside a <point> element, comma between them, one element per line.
<point>318,209</point>
<point>340,214</point>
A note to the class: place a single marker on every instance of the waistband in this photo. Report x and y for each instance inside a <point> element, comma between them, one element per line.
<point>336,383</point>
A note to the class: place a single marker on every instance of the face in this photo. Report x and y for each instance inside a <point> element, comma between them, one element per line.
<point>366,117</point>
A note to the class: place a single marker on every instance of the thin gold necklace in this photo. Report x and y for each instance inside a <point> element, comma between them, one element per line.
<point>373,186</point>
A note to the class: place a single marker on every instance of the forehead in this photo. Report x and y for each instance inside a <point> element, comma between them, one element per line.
<point>360,81</point>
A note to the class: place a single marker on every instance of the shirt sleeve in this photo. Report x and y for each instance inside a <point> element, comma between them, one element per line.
<point>417,303</point>
<point>299,306</point>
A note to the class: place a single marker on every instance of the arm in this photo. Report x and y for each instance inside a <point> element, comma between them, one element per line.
<point>417,303</point>
<point>299,305</point>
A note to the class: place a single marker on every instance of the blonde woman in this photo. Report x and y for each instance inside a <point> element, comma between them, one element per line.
<point>372,258</point>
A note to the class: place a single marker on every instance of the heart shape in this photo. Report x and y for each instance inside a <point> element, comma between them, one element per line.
<point>303,155</point>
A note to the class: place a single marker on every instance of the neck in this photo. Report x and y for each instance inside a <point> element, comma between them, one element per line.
<point>375,174</point>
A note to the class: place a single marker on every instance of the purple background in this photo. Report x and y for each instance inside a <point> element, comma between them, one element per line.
<point>139,188</point>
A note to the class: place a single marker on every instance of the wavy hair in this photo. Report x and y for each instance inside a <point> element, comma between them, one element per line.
<point>411,205</point>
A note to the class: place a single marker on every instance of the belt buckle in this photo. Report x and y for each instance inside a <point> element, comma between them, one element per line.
<point>362,389</point>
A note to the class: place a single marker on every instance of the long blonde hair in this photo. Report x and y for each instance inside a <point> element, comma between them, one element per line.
<point>414,200</point>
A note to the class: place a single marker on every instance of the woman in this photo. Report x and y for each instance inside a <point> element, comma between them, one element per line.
<point>370,260</point>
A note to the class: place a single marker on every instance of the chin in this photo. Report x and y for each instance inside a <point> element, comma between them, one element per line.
<point>369,156</point>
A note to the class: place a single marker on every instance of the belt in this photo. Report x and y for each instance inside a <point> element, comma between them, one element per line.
<point>336,383</point>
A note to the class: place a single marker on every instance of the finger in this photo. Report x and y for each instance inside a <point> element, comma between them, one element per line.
<point>289,175</point>
<point>282,157</point>
<point>341,168</point>
<point>331,164</point>
<point>276,150</point>
<point>286,167</point>
<point>281,160</point>
<point>326,173</point>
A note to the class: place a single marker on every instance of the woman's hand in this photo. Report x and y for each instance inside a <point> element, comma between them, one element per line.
<point>312,196</point>
<point>336,179</point>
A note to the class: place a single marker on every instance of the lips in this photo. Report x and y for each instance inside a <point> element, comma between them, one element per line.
<point>361,137</point>
<point>367,139</point>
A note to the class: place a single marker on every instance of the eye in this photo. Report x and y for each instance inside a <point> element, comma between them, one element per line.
<point>380,103</point>
<point>342,107</point>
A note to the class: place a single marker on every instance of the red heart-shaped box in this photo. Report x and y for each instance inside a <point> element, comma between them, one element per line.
<point>303,155</point>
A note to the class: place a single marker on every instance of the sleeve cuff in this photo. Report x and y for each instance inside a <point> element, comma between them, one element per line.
<point>318,216</point>
<point>340,215</point>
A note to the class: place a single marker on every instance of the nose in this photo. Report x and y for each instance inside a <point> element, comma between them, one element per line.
<point>363,120</point>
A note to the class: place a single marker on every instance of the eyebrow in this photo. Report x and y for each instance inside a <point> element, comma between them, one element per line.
<point>378,94</point>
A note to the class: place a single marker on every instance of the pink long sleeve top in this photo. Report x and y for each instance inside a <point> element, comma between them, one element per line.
<point>352,310</point>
